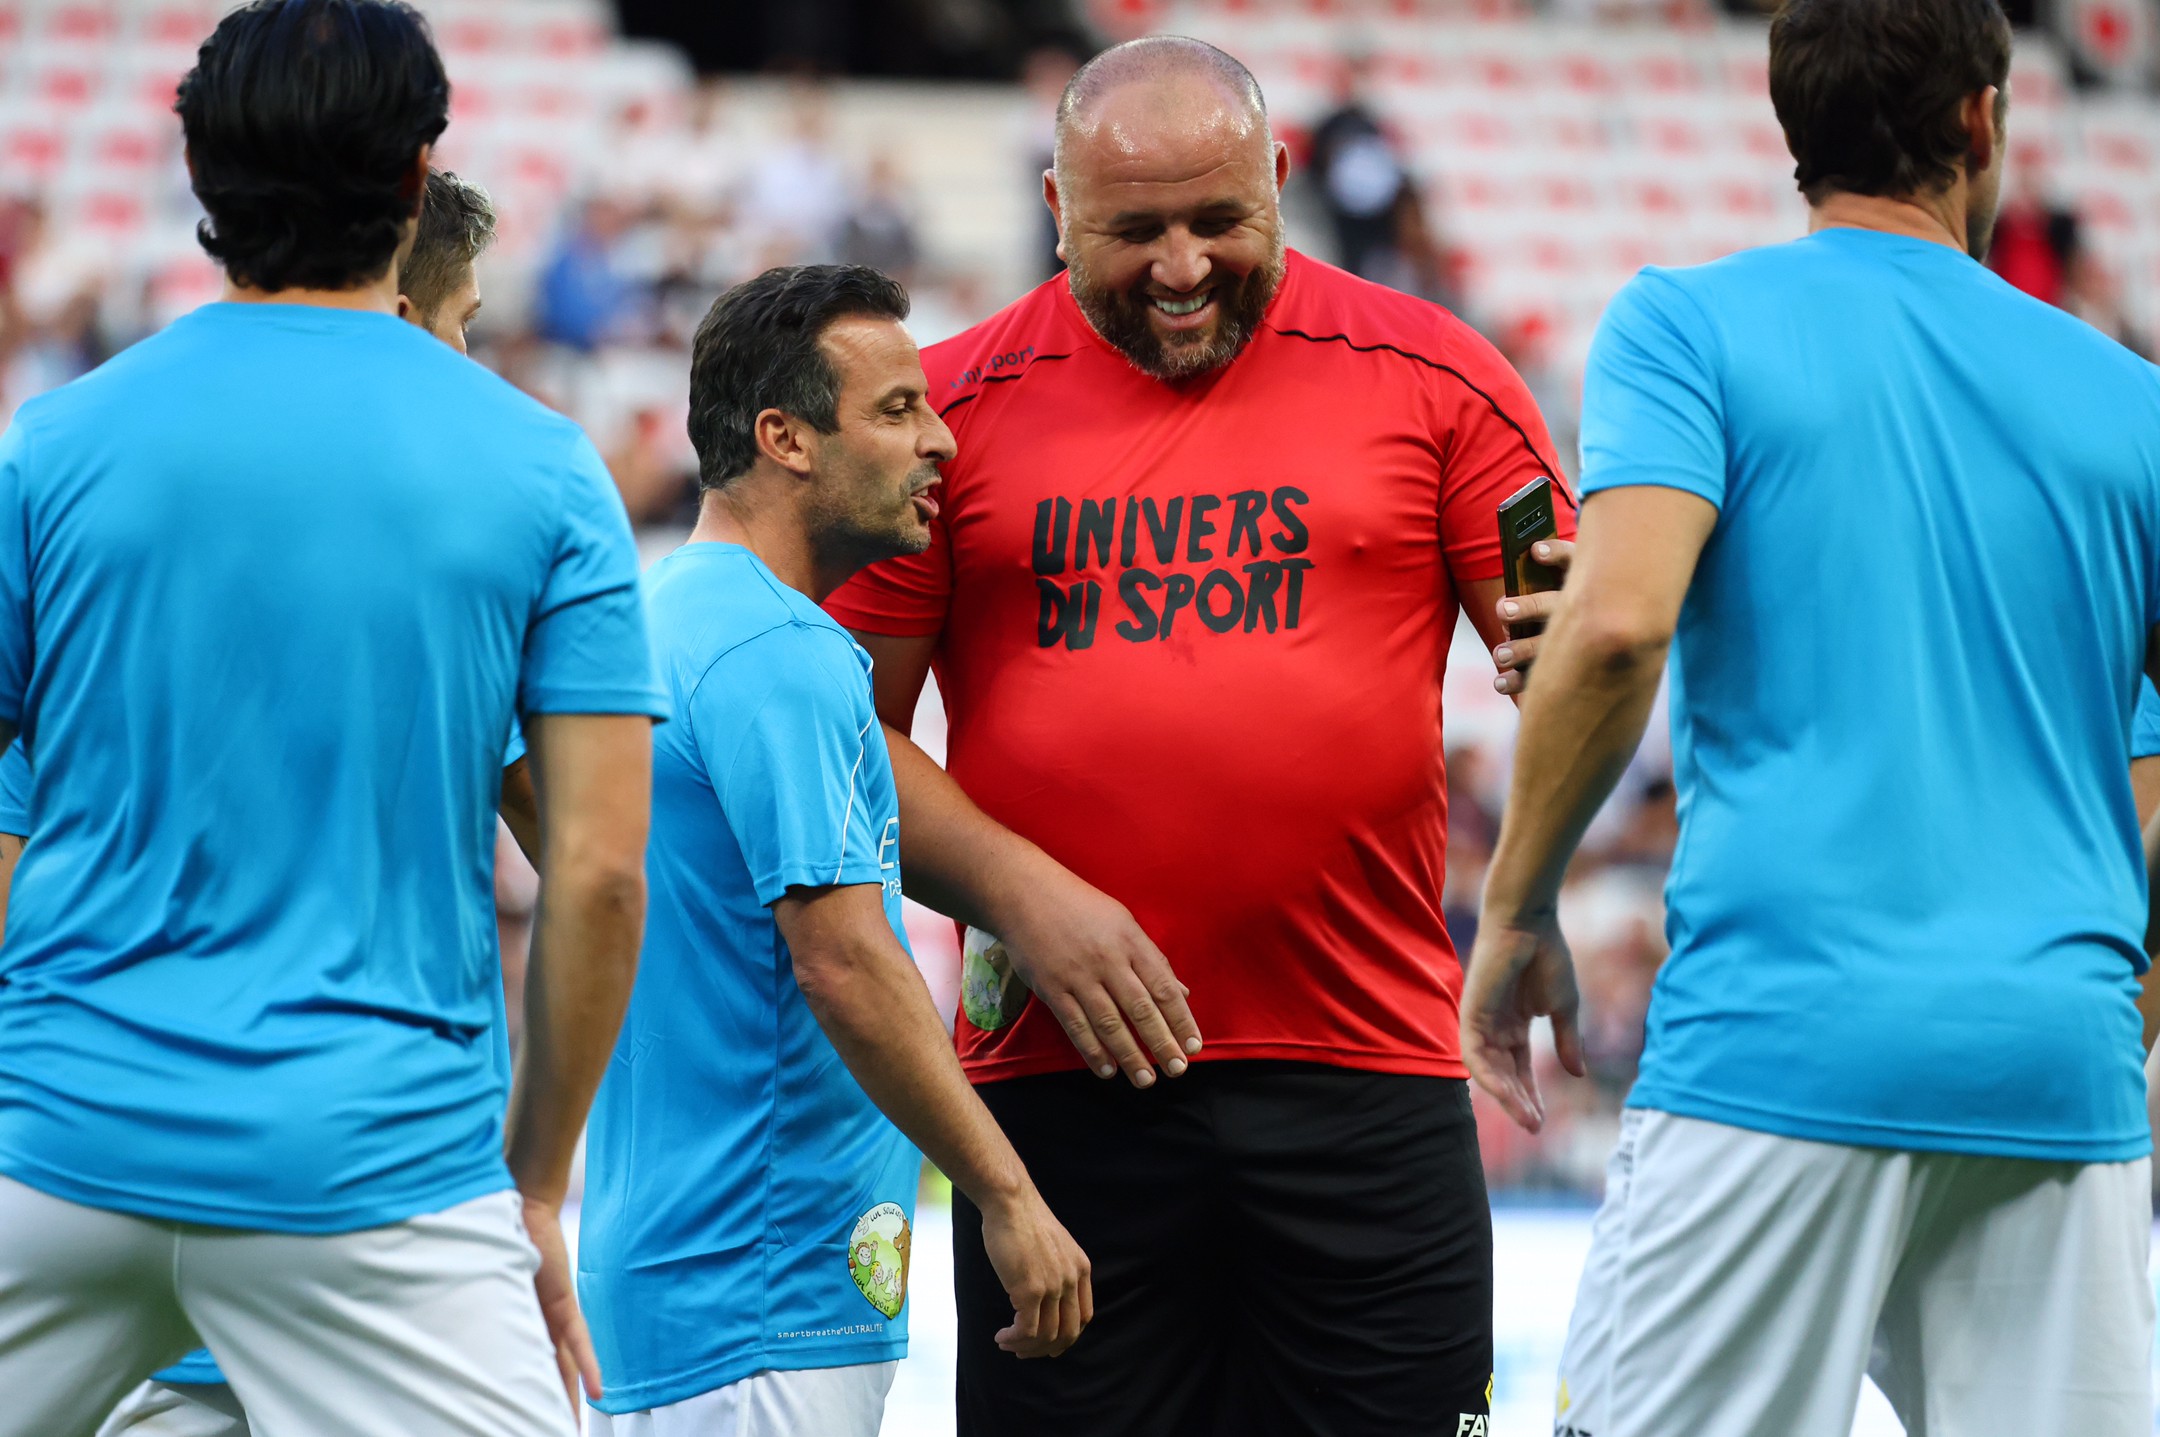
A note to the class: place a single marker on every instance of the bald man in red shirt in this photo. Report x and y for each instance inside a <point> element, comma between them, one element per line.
<point>1189,599</point>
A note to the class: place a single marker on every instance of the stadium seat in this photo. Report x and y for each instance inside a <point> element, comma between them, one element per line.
<point>33,148</point>
<point>79,22</point>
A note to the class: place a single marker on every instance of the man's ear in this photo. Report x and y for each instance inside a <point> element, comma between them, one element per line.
<point>784,440</point>
<point>412,188</point>
<point>1983,133</point>
<point>1057,211</point>
<point>404,309</point>
<point>1282,164</point>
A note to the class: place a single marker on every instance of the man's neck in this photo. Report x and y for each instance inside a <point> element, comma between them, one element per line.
<point>770,530</point>
<point>379,295</point>
<point>1938,219</point>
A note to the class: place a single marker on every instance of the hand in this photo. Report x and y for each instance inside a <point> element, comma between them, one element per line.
<point>1045,1274</point>
<point>1517,974</point>
<point>574,1355</point>
<point>1081,952</point>
<point>1513,657</point>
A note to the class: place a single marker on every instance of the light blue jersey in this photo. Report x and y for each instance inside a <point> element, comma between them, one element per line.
<point>1908,901</point>
<point>2145,730</point>
<point>271,584</point>
<point>14,791</point>
<point>746,1207</point>
<point>199,1367</point>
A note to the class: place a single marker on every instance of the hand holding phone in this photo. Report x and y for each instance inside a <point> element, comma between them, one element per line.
<point>1526,518</point>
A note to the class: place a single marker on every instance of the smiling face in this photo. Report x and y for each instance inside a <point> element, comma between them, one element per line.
<point>1166,194</point>
<point>875,473</point>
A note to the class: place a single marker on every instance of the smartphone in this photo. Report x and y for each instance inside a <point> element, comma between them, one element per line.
<point>1525,518</point>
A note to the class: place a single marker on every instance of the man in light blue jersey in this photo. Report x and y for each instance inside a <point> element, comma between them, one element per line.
<point>1900,526</point>
<point>264,620</point>
<point>750,1179</point>
<point>438,290</point>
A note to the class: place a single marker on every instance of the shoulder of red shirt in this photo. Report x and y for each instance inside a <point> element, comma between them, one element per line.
<point>1038,326</point>
<point>1325,305</point>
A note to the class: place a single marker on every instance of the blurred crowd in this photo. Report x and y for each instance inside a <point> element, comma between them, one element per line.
<point>1613,913</point>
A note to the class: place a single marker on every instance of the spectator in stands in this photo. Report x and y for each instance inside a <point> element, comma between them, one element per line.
<point>2039,246</point>
<point>796,196</point>
<point>51,328</point>
<point>880,227</point>
<point>584,299</point>
<point>1044,74</point>
<point>1360,176</point>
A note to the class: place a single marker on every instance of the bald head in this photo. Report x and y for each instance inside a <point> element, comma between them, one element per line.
<point>1166,190</point>
<point>1158,77</point>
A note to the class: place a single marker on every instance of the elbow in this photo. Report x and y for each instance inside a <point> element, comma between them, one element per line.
<point>1623,640</point>
<point>831,977</point>
<point>608,889</point>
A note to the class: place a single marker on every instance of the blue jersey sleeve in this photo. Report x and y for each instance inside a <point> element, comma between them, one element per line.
<point>587,650</point>
<point>784,722</point>
<point>15,645</point>
<point>15,791</point>
<point>1653,408</point>
<point>2144,728</point>
<point>515,749</point>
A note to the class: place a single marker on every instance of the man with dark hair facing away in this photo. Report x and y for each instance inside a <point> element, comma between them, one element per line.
<point>751,1175</point>
<point>1899,526</point>
<point>1190,598</point>
<point>262,638</point>
<point>192,1398</point>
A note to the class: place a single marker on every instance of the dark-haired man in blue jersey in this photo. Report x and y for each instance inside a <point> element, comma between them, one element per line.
<point>262,635</point>
<point>751,1175</point>
<point>438,290</point>
<point>1899,525</point>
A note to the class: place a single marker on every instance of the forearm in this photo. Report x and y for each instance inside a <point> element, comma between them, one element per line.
<point>1580,726</point>
<point>577,986</point>
<point>954,858</point>
<point>2150,984</point>
<point>872,1004</point>
<point>520,810</point>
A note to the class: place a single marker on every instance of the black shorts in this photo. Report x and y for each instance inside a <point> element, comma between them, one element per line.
<point>1279,1248</point>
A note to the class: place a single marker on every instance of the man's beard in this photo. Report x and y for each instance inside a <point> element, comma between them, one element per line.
<point>1980,232</point>
<point>853,536</point>
<point>1122,319</point>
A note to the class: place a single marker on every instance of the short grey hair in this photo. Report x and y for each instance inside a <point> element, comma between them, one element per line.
<point>457,222</point>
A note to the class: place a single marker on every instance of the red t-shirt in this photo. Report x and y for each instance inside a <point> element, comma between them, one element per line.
<point>1193,637</point>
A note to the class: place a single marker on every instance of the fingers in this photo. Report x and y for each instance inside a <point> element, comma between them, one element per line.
<point>1567,1042</point>
<point>566,1368</point>
<point>1069,1319</point>
<point>1026,1325</point>
<point>1501,1076</point>
<point>587,1359</point>
<point>1074,1020</point>
<point>1531,608</point>
<point>1047,1325</point>
<point>1153,970</point>
<point>1557,552</point>
<point>1109,1025</point>
<point>1149,1019</point>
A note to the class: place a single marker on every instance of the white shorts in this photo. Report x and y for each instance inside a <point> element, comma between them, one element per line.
<point>1741,1284</point>
<point>825,1401</point>
<point>187,1409</point>
<point>425,1326</point>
